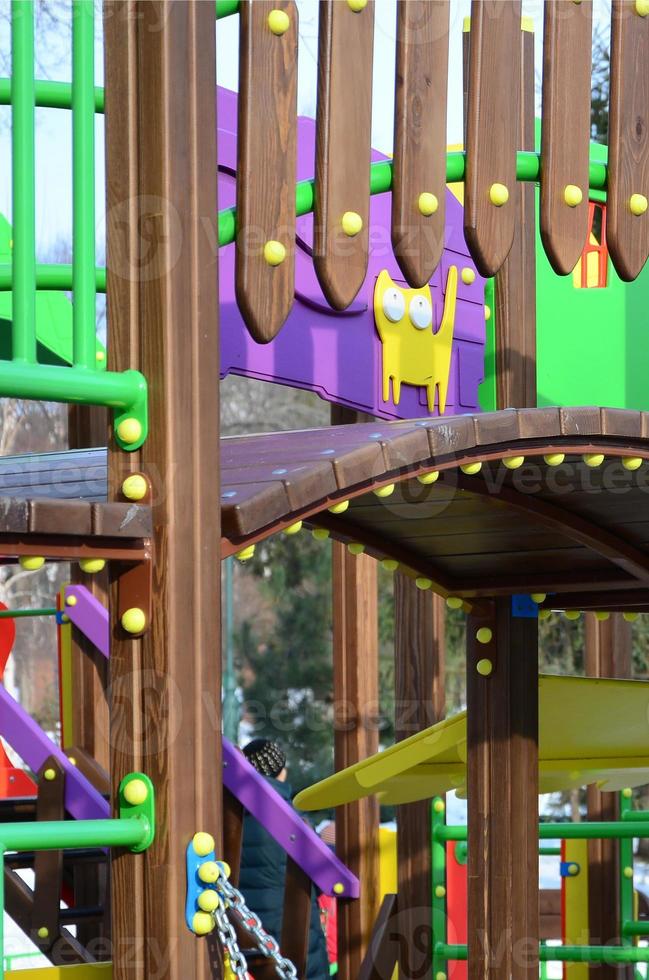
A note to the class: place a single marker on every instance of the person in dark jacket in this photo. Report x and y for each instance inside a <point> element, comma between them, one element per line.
<point>263,862</point>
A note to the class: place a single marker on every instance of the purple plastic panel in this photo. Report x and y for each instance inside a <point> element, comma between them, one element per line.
<point>89,616</point>
<point>33,746</point>
<point>283,823</point>
<point>339,355</point>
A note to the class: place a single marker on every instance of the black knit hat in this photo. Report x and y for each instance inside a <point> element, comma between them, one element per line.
<point>267,757</point>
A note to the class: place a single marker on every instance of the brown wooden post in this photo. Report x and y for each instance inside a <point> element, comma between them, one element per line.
<point>419,700</point>
<point>163,320</point>
<point>607,654</point>
<point>356,737</point>
<point>502,782</point>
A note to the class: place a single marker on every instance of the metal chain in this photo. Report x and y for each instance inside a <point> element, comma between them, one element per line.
<point>231,898</point>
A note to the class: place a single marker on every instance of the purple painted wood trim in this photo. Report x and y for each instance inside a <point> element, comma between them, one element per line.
<point>89,616</point>
<point>33,746</point>
<point>283,823</point>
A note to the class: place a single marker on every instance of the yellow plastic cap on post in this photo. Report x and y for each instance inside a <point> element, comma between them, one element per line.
<point>355,548</point>
<point>133,620</point>
<point>573,195</point>
<point>439,806</point>
<point>513,462</point>
<point>423,583</point>
<point>554,459</point>
<point>538,597</point>
<point>631,462</point>
<point>390,564</point>
<point>203,843</point>
<point>642,8</point>
<point>427,204</point>
<point>427,478</point>
<point>593,459</point>
<point>339,888</point>
<point>70,600</point>
<point>484,667</point>
<point>208,900</point>
<point>209,872</point>
<point>278,22</point>
<point>320,533</point>
<point>386,491</point>
<point>135,487</point>
<point>31,563</point>
<point>498,195</point>
<point>602,616</point>
<point>136,792</point>
<point>92,565</point>
<point>352,223</point>
<point>339,508</point>
<point>202,923</point>
<point>484,635</point>
<point>129,430</point>
<point>246,553</point>
<point>471,468</point>
<point>293,528</point>
<point>49,775</point>
<point>468,276</point>
<point>572,614</point>
<point>638,204</point>
<point>454,602</point>
<point>274,253</point>
<point>357,5</point>
<point>43,932</point>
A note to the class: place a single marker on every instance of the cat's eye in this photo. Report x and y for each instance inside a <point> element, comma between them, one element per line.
<point>394,305</point>
<point>421,312</point>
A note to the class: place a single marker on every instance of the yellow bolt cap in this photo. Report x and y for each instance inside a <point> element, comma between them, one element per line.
<point>100,356</point>
<point>293,528</point>
<point>209,872</point>
<point>573,869</point>
<point>642,8</point>
<point>468,276</point>
<point>593,459</point>
<point>573,195</point>
<point>202,923</point>
<point>92,565</point>
<point>484,635</point>
<point>471,468</point>
<point>513,462</point>
<point>203,843</point>
<point>454,602</point>
<point>31,563</point>
<point>427,478</point>
<point>274,253</point>
<point>352,223</point>
<point>339,888</point>
<point>208,900</point>
<point>72,760</point>
<point>545,613</point>
<point>627,793</point>
<point>129,431</point>
<point>43,932</point>
<point>49,775</point>
<point>278,22</point>
<point>631,462</point>
<point>440,975</point>
<point>136,792</point>
<point>246,553</point>
<point>440,891</point>
<point>357,5</point>
<point>554,459</point>
<point>439,806</point>
<point>339,508</point>
<point>638,203</point>
<point>630,617</point>
<point>498,195</point>
<point>628,872</point>
<point>386,491</point>
<point>423,583</point>
<point>572,614</point>
<point>133,620</point>
<point>487,312</point>
<point>427,204</point>
<point>602,616</point>
<point>538,597</point>
<point>135,487</point>
<point>320,533</point>
<point>390,564</point>
<point>484,667</point>
<point>355,548</point>
<point>70,600</point>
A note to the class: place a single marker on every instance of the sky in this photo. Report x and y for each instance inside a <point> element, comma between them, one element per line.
<point>53,135</point>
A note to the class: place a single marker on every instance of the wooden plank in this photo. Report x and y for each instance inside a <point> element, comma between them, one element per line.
<point>163,320</point>
<point>60,517</point>
<point>343,142</point>
<point>516,279</point>
<point>565,131</point>
<point>122,519</point>
<point>492,132</point>
<point>419,703</point>
<point>502,783</point>
<point>297,916</point>
<point>266,164</point>
<point>627,233</point>
<point>607,653</point>
<point>354,587</point>
<point>48,865</point>
<point>380,959</point>
<point>419,164</point>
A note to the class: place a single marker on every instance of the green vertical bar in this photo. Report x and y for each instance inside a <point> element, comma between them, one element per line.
<point>23,328</point>
<point>438,900</point>
<point>626,879</point>
<point>2,912</point>
<point>83,183</point>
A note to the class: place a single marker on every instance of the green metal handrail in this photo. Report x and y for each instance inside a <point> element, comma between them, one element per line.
<point>562,954</point>
<point>593,830</point>
<point>20,613</point>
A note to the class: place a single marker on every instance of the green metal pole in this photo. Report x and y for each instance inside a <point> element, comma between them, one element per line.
<point>438,874</point>
<point>567,954</point>
<point>54,835</point>
<point>51,95</point>
<point>21,613</point>
<point>83,184</point>
<point>2,912</point>
<point>594,830</point>
<point>224,8</point>
<point>626,866</point>
<point>57,277</point>
<point>23,320</point>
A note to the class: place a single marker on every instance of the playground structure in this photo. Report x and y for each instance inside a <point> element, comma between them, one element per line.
<point>507,514</point>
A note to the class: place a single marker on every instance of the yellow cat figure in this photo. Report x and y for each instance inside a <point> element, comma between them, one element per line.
<point>412,353</point>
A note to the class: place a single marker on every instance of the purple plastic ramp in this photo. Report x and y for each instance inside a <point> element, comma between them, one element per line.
<point>282,822</point>
<point>89,616</point>
<point>33,746</point>
<point>339,354</point>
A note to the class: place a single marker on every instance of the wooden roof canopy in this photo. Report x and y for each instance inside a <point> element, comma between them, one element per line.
<point>578,532</point>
